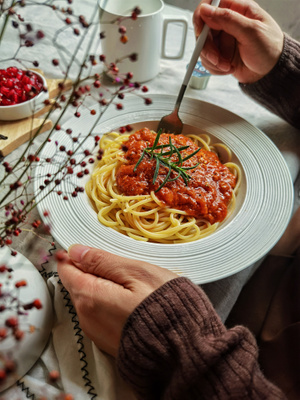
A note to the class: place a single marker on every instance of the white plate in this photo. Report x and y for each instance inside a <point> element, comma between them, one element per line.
<point>263,209</point>
<point>27,351</point>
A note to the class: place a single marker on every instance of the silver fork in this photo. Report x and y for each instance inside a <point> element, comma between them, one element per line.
<point>171,122</point>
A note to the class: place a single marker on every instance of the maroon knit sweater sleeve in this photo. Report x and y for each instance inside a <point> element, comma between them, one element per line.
<point>279,91</point>
<point>174,346</point>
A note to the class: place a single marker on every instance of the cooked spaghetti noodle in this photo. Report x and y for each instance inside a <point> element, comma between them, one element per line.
<point>126,197</point>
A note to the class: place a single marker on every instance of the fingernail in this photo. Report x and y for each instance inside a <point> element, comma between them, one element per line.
<point>213,58</point>
<point>224,66</point>
<point>77,251</point>
<point>61,255</point>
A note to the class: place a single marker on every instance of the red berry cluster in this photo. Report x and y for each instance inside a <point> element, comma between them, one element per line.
<point>126,128</point>
<point>73,166</point>
<point>15,217</point>
<point>17,86</point>
<point>135,13</point>
<point>122,29</point>
<point>11,324</point>
<point>8,366</point>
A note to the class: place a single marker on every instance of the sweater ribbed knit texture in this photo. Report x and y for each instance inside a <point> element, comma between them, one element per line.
<point>174,346</point>
<point>279,91</point>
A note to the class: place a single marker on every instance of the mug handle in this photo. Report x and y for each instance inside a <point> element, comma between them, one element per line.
<point>167,20</point>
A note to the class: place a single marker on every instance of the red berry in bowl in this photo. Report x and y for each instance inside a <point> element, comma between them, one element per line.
<point>17,86</point>
<point>21,93</point>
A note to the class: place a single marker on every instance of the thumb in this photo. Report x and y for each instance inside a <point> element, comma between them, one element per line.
<point>226,20</point>
<point>97,262</point>
<point>120,270</point>
<point>106,265</point>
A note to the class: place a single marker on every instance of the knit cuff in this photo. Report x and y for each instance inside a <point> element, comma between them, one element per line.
<point>279,90</point>
<point>159,328</point>
<point>174,346</point>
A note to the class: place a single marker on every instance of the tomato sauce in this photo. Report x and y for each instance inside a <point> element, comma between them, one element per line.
<point>209,188</point>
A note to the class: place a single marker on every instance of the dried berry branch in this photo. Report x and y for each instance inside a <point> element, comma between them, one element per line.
<point>88,69</point>
<point>86,86</point>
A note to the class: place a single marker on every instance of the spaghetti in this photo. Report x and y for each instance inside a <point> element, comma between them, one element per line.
<point>185,208</point>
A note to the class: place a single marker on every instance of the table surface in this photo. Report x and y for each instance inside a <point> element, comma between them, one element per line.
<point>102,378</point>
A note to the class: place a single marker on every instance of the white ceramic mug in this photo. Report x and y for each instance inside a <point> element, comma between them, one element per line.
<point>146,36</point>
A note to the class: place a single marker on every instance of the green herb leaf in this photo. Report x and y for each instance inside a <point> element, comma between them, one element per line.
<point>164,159</point>
<point>156,140</point>
<point>165,180</point>
<point>193,167</point>
<point>156,171</point>
<point>190,155</point>
<point>139,161</point>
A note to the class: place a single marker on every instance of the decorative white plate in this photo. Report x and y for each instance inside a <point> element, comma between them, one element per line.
<point>263,208</point>
<point>27,351</point>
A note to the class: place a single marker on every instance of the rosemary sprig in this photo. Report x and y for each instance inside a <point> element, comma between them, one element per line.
<point>163,158</point>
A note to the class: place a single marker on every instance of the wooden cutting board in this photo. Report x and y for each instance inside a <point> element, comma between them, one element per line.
<point>15,133</point>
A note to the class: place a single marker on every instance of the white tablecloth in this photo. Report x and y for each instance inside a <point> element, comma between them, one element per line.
<point>86,372</point>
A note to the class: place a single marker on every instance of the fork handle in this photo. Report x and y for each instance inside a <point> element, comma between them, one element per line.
<point>198,48</point>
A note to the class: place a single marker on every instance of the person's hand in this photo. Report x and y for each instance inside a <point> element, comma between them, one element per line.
<point>244,40</point>
<point>105,289</point>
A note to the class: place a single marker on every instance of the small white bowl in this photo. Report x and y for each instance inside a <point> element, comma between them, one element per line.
<point>27,108</point>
